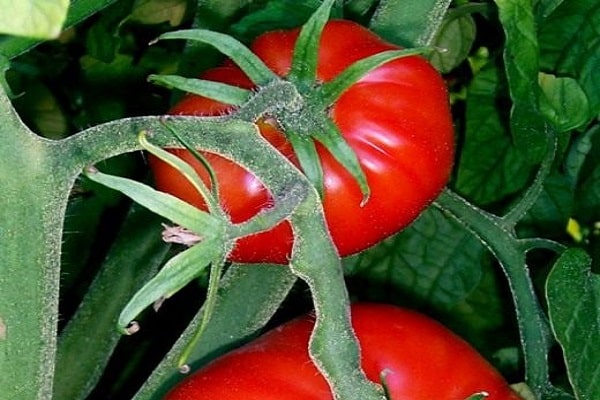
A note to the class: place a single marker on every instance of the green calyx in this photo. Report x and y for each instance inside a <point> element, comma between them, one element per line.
<point>299,103</point>
<point>209,235</point>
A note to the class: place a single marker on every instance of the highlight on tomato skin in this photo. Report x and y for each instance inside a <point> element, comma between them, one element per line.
<point>396,119</point>
<point>418,357</point>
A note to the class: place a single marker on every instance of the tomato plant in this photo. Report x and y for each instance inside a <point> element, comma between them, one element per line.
<point>396,119</point>
<point>495,255</point>
<point>414,357</point>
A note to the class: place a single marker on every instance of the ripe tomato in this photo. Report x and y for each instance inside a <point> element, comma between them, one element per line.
<point>396,119</point>
<point>418,358</point>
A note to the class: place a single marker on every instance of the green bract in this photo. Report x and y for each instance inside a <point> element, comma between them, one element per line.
<point>73,253</point>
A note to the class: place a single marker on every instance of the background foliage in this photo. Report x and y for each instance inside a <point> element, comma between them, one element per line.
<point>517,70</point>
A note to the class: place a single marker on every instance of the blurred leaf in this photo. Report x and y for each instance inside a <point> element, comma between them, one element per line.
<point>276,14</point>
<point>217,15</point>
<point>483,313</point>
<point>91,224</point>
<point>564,102</point>
<point>550,214</point>
<point>12,46</point>
<point>570,45</point>
<point>434,261</point>
<point>38,19</point>
<point>545,7</point>
<point>43,112</point>
<point>573,293</point>
<point>360,7</point>
<point>588,181</point>
<point>409,23</point>
<point>589,196</point>
<point>110,88</point>
<point>119,71</point>
<point>578,152</point>
<point>248,297</point>
<point>159,11</point>
<point>453,41</point>
<point>490,167</point>
<point>88,340</point>
<point>102,41</point>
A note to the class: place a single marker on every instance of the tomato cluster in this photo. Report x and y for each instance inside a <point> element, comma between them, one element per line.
<point>396,119</point>
<point>414,356</point>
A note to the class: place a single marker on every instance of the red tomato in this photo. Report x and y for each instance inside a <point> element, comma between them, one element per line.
<point>396,119</point>
<point>420,359</point>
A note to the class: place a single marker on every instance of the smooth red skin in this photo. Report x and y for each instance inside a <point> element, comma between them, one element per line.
<point>396,118</point>
<point>421,359</point>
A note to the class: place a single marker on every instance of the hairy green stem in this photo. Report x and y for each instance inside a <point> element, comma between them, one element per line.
<point>533,325</point>
<point>333,346</point>
<point>35,194</point>
<point>518,210</point>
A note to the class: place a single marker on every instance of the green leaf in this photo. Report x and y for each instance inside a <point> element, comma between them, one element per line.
<point>409,23</point>
<point>11,46</point>
<point>38,19</point>
<point>453,41</point>
<point>573,293</point>
<point>215,15</point>
<point>490,167</point>
<point>570,45</point>
<point>360,7</point>
<point>176,273</point>
<point>585,167</point>
<point>276,14</point>
<point>484,311</point>
<point>434,261</point>
<point>218,91</point>
<point>549,215</point>
<point>578,153</point>
<point>545,7</point>
<point>158,11</point>
<point>564,102</point>
<point>103,39</point>
<point>588,192</point>
<point>521,59</point>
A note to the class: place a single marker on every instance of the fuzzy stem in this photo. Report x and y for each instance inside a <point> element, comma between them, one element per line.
<point>333,346</point>
<point>533,325</point>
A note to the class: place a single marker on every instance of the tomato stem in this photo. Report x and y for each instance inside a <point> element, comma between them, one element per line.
<point>187,171</point>
<point>268,218</point>
<point>210,196</point>
<point>333,346</point>
<point>216,271</point>
<point>533,324</point>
